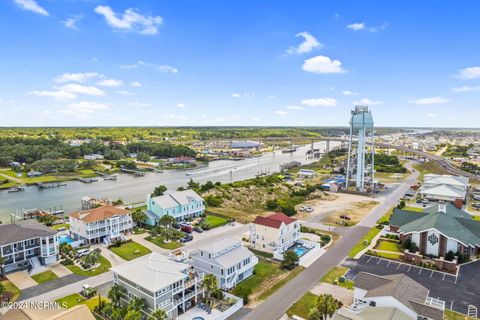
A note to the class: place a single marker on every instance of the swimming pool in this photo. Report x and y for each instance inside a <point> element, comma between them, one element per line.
<point>299,249</point>
<point>64,239</point>
<point>198,318</point>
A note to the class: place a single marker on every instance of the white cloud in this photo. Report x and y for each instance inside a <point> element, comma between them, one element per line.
<point>84,108</point>
<point>71,22</point>
<point>139,104</point>
<point>130,20</point>
<point>31,5</point>
<point>243,95</point>
<point>320,102</point>
<point>110,83</point>
<point>136,84</point>
<point>431,115</point>
<point>180,105</point>
<point>349,93</point>
<point>281,112</point>
<point>76,77</point>
<point>309,43</point>
<point>59,94</point>
<point>294,107</point>
<point>431,100</point>
<point>466,89</point>
<point>322,64</point>
<point>361,26</point>
<point>368,102</point>
<point>125,93</point>
<point>162,67</point>
<point>469,73</point>
<point>76,88</point>
<point>255,119</point>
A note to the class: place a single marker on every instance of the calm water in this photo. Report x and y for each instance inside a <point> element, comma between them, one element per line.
<point>131,189</point>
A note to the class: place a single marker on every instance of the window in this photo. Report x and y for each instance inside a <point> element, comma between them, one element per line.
<point>201,253</point>
<point>211,266</point>
<point>221,272</point>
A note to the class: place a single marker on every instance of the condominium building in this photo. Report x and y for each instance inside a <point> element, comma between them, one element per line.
<point>274,234</point>
<point>227,259</point>
<point>27,243</point>
<point>181,205</point>
<point>163,284</point>
<point>103,224</point>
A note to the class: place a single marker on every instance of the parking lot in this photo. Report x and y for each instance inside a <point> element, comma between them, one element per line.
<point>458,292</point>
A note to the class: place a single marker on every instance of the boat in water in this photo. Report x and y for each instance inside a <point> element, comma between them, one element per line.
<point>16,189</point>
<point>289,150</point>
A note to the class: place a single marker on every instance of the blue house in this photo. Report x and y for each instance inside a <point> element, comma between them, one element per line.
<point>181,205</point>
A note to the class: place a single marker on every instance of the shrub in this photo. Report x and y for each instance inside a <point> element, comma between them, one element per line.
<point>214,201</point>
<point>67,262</point>
<point>243,292</point>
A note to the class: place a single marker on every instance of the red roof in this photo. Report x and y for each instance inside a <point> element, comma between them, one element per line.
<point>274,221</point>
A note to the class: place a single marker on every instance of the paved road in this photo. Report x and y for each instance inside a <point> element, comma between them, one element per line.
<point>277,304</point>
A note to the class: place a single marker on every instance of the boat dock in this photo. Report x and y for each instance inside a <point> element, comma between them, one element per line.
<point>135,173</point>
<point>88,180</point>
<point>49,185</point>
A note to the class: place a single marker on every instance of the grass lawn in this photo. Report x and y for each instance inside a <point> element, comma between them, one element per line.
<point>10,287</point>
<point>44,276</point>
<point>76,299</point>
<point>391,256</point>
<point>160,241</point>
<point>214,221</point>
<point>303,306</point>
<point>262,271</point>
<point>364,242</point>
<point>428,167</point>
<point>61,225</point>
<point>130,250</point>
<point>452,315</point>
<point>138,230</point>
<point>333,275</point>
<point>104,266</point>
<point>356,211</point>
<point>416,209</point>
<point>71,300</point>
<point>388,246</point>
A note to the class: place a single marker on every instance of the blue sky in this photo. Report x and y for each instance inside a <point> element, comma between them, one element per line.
<point>292,62</point>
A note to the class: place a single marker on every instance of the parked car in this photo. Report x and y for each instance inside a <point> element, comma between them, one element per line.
<point>345,217</point>
<point>310,209</point>
<point>198,229</point>
<point>82,252</point>
<point>303,208</point>
<point>187,229</point>
<point>425,201</point>
<point>176,226</point>
<point>187,238</point>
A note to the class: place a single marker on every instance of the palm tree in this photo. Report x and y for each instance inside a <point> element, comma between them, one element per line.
<point>166,221</point>
<point>92,258</point>
<point>115,294</point>
<point>210,284</point>
<point>136,304</point>
<point>133,315</point>
<point>158,314</point>
<point>325,306</point>
<point>139,217</point>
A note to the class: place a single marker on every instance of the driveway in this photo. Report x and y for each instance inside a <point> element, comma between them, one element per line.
<point>342,294</point>
<point>457,292</point>
<point>60,270</point>
<point>49,286</point>
<point>21,279</point>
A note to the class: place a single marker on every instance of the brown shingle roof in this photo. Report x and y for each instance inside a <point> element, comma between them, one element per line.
<point>98,214</point>
<point>274,220</point>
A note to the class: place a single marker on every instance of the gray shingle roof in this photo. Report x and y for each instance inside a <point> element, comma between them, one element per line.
<point>23,230</point>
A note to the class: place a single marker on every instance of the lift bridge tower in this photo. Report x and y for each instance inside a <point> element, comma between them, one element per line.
<point>361,150</point>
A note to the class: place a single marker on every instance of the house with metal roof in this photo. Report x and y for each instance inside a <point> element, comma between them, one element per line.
<point>392,297</point>
<point>444,187</point>
<point>438,229</point>
<point>274,234</point>
<point>227,259</point>
<point>164,284</point>
<point>26,244</point>
<point>181,205</point>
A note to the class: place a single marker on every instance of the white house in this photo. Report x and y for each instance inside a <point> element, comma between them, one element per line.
<point>444,187</point>
<point>274,234</point>
<point>179,204</point>
<point>27,242</point>
<point>103,224</point>
<point>164,284</point>
<point>93,156</point>
<point>397,293</point>
<point>227,259</point>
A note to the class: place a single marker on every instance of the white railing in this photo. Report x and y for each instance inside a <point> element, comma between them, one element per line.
<point>436,303</point>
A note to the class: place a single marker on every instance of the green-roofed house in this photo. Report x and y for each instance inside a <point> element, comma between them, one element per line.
<point>438,230</point>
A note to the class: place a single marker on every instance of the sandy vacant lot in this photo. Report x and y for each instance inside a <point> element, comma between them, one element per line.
<point>329,209</point>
